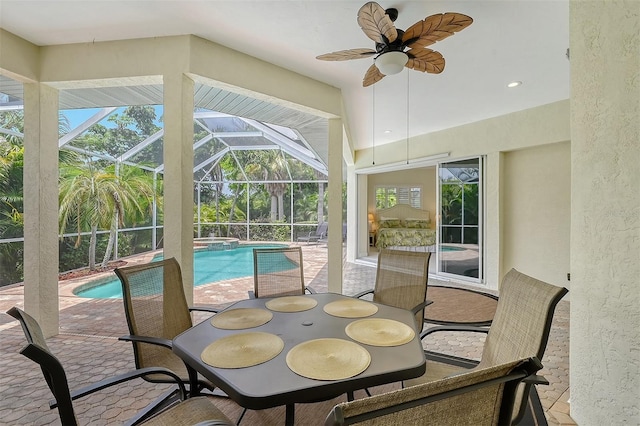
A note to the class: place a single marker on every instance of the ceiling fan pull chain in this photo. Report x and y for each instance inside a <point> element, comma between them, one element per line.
<point>407,144</point>
<point>373,130</point>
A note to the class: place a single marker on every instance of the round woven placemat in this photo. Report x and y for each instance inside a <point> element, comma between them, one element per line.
<point>291,304</point>
<point>242,350</point>
<point>328,359</point>
<point>380,332</point>
<point>237,319</point>
<point>350,308</point>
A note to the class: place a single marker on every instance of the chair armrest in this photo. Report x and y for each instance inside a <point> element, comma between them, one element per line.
<point>421,306</point>
<point>362,293</point>
<point>202,308</point>
<point>468,328</point>
<point>146,339</point>
<point>451,359</point>
<point>305,236</point>
<point>536,379</point>
<point>108,382</point>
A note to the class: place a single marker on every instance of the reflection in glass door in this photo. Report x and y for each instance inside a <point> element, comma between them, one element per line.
<point>460,224</point>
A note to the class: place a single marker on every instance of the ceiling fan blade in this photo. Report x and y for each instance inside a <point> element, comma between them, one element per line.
<point>435,28</point>
<point>372,76</point>
<point>425,60</point>
<point>345,55</point>
<point>376,23</point>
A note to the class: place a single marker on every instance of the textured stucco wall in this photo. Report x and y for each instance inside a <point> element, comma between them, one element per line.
<point>605,212</point>
<point>537,212</point>
<point>531,127</point>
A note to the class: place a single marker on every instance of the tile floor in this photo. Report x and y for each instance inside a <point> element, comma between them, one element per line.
<point>87,345</point>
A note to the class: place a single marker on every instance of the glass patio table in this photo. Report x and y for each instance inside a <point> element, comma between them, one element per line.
<point>273,383</point>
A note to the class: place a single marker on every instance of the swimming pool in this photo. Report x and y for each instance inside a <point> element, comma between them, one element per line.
<point>208,267</point>
<point>451,248</point>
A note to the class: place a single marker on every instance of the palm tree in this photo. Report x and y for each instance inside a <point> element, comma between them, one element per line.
<point>271,166</point>
<point>11,211</point>
<point>132,199</point>
<point>93,197</point>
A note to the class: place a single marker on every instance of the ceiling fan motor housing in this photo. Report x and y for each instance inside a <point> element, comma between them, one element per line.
<point>386,46</point>
<point>392,12</point>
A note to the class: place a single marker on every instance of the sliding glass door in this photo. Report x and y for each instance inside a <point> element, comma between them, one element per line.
<point>460,233</point>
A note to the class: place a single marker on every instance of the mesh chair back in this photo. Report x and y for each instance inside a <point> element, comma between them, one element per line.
<point>321,230</point>
<point>476,398</point>
<point>278,272</point>
<point>155,306</point>
<point>38,351</point>
<point>521,324</point>
<point>401,280</point>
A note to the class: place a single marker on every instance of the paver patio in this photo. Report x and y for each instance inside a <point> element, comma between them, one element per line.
<point>89,348</point>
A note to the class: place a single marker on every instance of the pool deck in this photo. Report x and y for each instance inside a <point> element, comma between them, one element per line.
<point>87,345</point>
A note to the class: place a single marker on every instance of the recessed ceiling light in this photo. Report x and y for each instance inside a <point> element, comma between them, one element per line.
<point>387,131</point>
<point>514,84</point>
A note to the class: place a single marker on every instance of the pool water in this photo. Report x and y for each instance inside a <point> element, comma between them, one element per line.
<point>208,267</point>
<point>451,248</point>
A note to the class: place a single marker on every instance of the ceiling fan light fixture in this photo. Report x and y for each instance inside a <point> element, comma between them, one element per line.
<point>393,62</point>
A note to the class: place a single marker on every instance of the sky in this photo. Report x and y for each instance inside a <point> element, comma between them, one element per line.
<point>78,116</point>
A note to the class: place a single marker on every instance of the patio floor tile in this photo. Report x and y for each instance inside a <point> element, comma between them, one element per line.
<point>89,348</point>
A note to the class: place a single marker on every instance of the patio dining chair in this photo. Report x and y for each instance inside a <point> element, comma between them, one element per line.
<point>157,311</point>
<point>520,328</point>
<point>401,281</point>
<point>278,272</point>
<point>184,412</point>
<point>483,397</point>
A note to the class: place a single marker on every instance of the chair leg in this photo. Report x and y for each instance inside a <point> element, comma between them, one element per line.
<point>534,412</point>
<point>535,405</point>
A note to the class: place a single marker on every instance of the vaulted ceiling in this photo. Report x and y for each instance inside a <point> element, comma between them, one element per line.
<point>509,40</point>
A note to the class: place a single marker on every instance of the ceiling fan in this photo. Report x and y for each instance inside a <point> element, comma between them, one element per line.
<point>396,48</point>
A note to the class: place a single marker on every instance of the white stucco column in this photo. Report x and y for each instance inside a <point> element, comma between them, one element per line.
<point>352,214</point>
<point>178,174</point>
<point>605,212</point>
<point>334,248</point>
<point>361,201</point>
<point>492,223</point>
<point>41,205</point>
